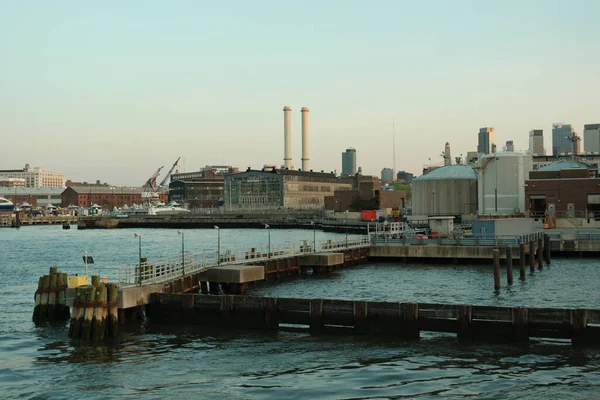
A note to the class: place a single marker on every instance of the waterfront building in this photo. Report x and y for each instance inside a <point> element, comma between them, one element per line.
<point>536,142</point>
<point>36,177</point>
<point>471,157</point>
<point>111,196</point>
<point>387,175</point>
<point>275,188</point>
<point>591,138</point>
<point>40,196</point>
<point>12,182</point>
<point>209,172</point>
<point>563,136</point>
<point>349,162</point>
<point>566,189</point>
<point>485,140</point>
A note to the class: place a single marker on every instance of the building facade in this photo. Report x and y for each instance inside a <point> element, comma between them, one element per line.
<point>36,177</point>
<point>485,140</point>
<point>274,188</point>
<point>562,135</point>
<point>536,142</point>
<point>591,138</point>
<point>387,175</point>
<point>86,196</point>
<point>12,182</point>
<point>41,197</point>
<point>349,162</point>
<point>197,193</point>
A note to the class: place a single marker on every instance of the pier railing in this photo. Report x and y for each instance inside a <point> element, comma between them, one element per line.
<point>174,267</point>
<point>483,240</point>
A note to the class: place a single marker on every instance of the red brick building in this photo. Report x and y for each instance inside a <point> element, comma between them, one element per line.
<point>85,196</point>
<point>365,188</point>
<point>568,189</point>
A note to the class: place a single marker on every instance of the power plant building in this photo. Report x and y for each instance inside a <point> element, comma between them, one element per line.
<point>271,188</point>
<point>501,183</point>
<point>536,142</point>
<point>591,138</point>
<point>485,140</point>
<point>449,190</point>
<point>349,162</point>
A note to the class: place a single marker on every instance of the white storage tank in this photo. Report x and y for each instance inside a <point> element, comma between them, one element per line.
<point>449,190</point>
<point>501,182</point>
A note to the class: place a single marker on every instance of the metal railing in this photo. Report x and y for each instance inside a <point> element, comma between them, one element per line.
<point>485,240</point>
<point>171,268</point>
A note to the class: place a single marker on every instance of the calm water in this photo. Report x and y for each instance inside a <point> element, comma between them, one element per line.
<point>157,362</point>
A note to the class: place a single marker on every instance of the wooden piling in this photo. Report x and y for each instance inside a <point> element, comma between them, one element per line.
<point>78,314</point>
<point>361,324</point>
<point>271,317</point>
<point>496,269</point>
<point>540,247</point>
<point>316,316</point>
<point>52,291</point>
<point>579,322</point>
<point>522,262</point>
<point>112,322</point>
<point>38,300</point>
<point>99,317</point>
<point>520,318</point>
<point>547,249</point>
<point>465,319</point>
<point>410,328</point>
<point>509,266</point>
<point>532,256</point>
<point>43,316</point>
<point>88,313</point>
<point>95,280</point>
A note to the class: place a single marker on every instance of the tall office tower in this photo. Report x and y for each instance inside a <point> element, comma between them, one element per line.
<point>485,140</point>
<point>349,162</point>
<point>591,138</point>
<point>510,145</point>
<point>387,175</point>
<point>561,139</point>
<point>536,142</point>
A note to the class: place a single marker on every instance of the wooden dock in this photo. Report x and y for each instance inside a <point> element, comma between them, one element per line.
<point>10,221</point>
<point>406,320</point>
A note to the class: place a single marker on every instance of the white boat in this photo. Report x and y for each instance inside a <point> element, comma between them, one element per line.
<point>171,208</point>
<point>6,205</point>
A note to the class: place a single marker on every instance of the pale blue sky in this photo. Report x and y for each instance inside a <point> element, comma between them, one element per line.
<point>112,90</point>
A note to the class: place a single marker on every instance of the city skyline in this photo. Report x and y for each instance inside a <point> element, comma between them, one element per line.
<point>114,91</point>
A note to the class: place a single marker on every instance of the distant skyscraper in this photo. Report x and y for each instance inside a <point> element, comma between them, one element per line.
<point>591,138</point>
<point>349,162</point>
<point>561,144</point>
<point>387,175</point>
<point>405,176</point>
<point>510,146</point>
<point>485,140</point>
<point>536,142</point>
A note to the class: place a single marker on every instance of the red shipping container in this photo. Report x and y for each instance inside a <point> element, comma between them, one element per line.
<point>369,215</point>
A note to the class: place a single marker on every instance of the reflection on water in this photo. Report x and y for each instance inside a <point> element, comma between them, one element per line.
<point>163,361</point>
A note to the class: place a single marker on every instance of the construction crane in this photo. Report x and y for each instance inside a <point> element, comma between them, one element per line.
<point>162,183</point>
<point>149,190</point>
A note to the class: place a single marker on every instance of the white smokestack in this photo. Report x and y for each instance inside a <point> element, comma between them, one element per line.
<point>305,158</point>
<point>287,138</point>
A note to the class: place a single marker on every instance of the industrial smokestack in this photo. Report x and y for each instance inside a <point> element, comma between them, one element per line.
<point>447,158</point>
<point>287,138</point>
<point>305,158</point>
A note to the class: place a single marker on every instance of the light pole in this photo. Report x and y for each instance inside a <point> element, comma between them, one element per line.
<point>218,244</point>
<point>268,228</point>
<point>314,235</point>
<point>137,235</point>
<point>495,183</point>
<point>346,223</point>
<point>182,251</point>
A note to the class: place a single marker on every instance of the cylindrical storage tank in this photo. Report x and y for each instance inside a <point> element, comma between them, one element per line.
<point>449,190</point>
<point>501,182</point>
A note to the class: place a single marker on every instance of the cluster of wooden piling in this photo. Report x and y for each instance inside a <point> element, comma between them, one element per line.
<point>95,311</point>
<point>51,298</point>
<point>537,254</point>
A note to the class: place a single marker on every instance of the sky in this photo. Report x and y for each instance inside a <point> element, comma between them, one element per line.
<point>113,90</point>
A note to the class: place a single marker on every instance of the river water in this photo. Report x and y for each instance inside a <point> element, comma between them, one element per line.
<point>149,361</point>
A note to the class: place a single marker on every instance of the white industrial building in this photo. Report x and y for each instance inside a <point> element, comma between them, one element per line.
<point>501,183</point>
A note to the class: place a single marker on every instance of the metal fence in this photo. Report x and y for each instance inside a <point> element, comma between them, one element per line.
<point>486,240</point>
<point>171,268</point>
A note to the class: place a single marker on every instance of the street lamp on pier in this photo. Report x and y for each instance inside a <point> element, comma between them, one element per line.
<point>218,244</point>
<point>182,251</point>
<point>137,235</point>
<point>346,223</point>
<point>314,235</point>
<point>268,228</point>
